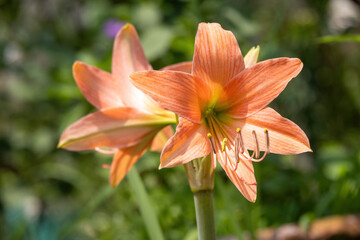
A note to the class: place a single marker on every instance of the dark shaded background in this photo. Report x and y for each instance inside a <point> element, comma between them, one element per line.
<point>48,193</point>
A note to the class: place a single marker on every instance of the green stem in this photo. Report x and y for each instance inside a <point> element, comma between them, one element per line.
<point>204,206</point>
<point>146,209</point>
<point>200,174</point>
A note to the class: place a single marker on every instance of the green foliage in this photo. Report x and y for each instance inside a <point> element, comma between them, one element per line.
<point>49,193</point>
<point>341,38</point>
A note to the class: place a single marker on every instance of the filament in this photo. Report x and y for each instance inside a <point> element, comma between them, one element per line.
<point>239,136</point>
<point>266,131</point>
<point>240,150</point>
<point>255,155</point>
<point>257,149</point>
<point>211,142</point>
<point>213,154</point>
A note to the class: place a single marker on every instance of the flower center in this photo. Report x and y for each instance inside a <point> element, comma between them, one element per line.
<point>209,112</point>
<point>214,115</point>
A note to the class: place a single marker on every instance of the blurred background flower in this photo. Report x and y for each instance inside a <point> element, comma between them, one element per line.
<point>111,27</point>
<point>47,193</point>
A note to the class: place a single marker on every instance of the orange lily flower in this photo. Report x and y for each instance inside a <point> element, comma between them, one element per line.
<point>127,121</point>
<point>223,109</point>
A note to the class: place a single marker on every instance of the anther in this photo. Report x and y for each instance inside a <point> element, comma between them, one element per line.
<point>211,142</point>
<point>223,149</point>
<point>257,147</point>
<point>223,144</point>
<point>266,131</point>
<point>239,136</point>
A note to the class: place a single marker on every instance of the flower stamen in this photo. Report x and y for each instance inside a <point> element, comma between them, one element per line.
<point>255,155</point>
<point>239,143</point>
<point>266,131</point>
<point>223,149</point>
<point>223,144</point>
<point>240,139</point>
<point>213,154</point>
<point>211,142</point>
<point>257,148</point>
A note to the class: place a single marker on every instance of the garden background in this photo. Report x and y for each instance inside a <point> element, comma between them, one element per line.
<point>49,193</point>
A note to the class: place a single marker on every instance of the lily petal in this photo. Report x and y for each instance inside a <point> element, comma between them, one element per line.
<point>245,169</point>
<point>129,57</point>
<point>217,56</point>
<point>238,176</point>
<point>182,67</point>
<point>112,128</point>
<point>161,138</point>
<point>176,91</point>
<point>285,136</point>
<point>124,159</point>
<point>257,86</point>
<point>189,142</point>
<point>128,54</point>
<point>98,87</point>
<point>247,190</point>
<point>243,177</point>
<point>252,56</point>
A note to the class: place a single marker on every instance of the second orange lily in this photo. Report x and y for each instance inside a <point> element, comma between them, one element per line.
<point>127,121</point>
<point>223,109</point>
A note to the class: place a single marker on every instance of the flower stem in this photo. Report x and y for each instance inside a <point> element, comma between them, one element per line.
<point>200,174</point>
<point>204,206</point>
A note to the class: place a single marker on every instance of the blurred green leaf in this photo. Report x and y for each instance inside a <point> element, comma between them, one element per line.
<point>146,209</point>
<point>147,15</point>
<point>336,170</point>
<point>246,28</point>
<point>340,38</point>
<point>156,41</point>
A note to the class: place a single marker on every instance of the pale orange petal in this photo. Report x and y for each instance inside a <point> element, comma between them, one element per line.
<point>257,86</point>
<point>247,190</point>
<point>182,67</point>
<point>123,160</point>
<point>189,142</point>
<point>128,57</point>
<point>161,138</point>
<point>98,86</point>
<point>217,56</point>
<point>243,177</point>
<point>285,136</point>
<point>245,169</point>
<point>176,91</point>
<point>128,54</point>
<point>112,128</point>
